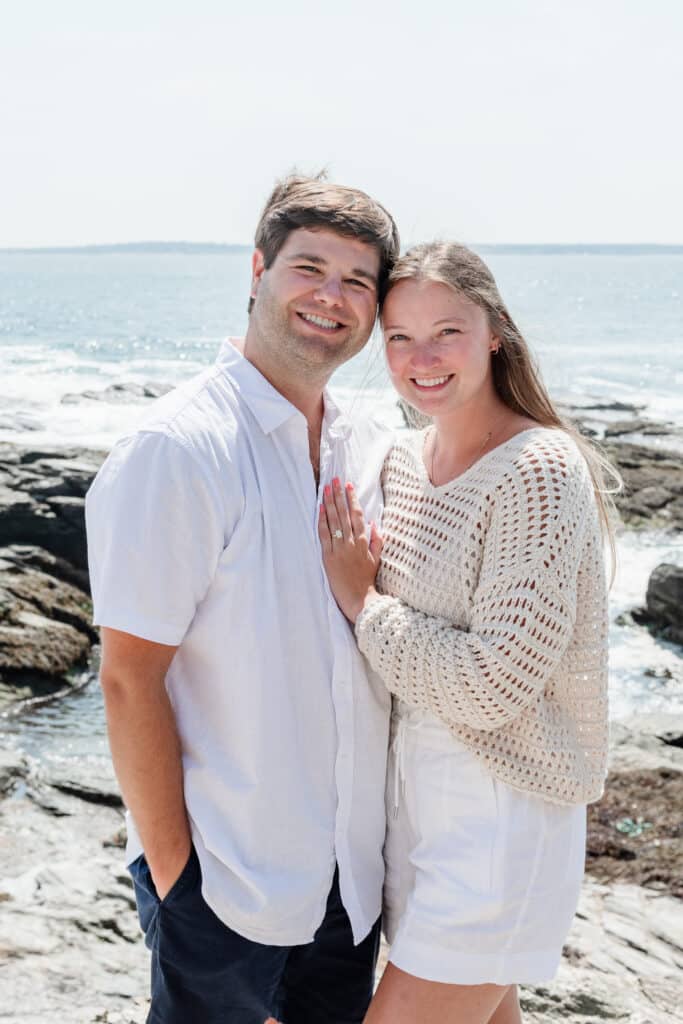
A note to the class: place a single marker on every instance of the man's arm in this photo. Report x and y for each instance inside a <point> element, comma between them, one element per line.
<point>146,749</point>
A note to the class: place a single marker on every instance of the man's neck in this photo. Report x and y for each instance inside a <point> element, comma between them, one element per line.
<point>305,395</point>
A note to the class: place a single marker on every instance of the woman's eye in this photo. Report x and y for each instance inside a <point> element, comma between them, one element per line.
<point>451,330</point>
<point>397,337</point>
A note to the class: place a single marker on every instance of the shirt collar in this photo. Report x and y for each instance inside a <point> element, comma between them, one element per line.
<point>270,408</point>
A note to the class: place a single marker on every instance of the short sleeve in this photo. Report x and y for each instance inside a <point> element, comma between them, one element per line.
<point>155,527</point>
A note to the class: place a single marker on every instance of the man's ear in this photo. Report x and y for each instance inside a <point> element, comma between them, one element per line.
<point>257,268</point>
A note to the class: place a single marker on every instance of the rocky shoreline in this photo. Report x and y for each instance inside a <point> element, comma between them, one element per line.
<point>70,947</point>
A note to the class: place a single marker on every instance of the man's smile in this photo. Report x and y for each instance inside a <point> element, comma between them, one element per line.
<point>324,323</point>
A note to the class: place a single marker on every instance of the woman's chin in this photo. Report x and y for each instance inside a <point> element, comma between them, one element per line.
<point>415,416</point>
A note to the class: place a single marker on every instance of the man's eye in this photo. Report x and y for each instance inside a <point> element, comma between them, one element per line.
<point>307,266</point>
<point>356,282</point>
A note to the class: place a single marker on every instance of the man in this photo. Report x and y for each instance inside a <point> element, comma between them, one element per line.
<point>248,740</point>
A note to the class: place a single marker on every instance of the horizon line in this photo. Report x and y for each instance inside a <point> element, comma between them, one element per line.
<point>178,246</point>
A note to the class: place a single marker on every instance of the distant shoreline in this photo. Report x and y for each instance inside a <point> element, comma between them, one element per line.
<point>221,248</point>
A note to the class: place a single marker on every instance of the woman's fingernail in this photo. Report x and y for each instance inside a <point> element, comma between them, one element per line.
<point>336,482</point>
<point>328,490</point>
<point>349,487</point>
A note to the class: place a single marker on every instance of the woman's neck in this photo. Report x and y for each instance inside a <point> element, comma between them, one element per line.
<point>463,436</point>
<point>460,432</point>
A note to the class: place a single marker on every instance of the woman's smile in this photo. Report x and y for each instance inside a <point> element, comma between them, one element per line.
<point>432,383</point>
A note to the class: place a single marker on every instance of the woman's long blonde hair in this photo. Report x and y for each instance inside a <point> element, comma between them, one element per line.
<point>515,374</point>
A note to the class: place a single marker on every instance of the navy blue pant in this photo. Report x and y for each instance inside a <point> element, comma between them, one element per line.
<point>204,972</point>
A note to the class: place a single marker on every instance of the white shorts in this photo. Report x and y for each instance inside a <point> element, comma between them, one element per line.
<point>482,881</point>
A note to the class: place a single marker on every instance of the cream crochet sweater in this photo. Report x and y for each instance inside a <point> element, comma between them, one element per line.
<point>494,609</point>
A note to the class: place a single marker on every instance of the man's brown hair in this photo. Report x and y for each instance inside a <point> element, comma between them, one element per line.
<point>301,202</point>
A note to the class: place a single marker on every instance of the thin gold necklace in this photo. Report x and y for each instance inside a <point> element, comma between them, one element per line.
<point>490,434</point>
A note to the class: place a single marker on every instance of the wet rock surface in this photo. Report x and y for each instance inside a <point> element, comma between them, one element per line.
<point>623,961</point>
<point>119,393</point>
<point>664,602</point>
<point>635,832</point>
<point>71,948</point>
<point>653,485</point>
<point>45,625</point>
<point>70,944</point>
<point>649,456</point>
<point>42,497</point>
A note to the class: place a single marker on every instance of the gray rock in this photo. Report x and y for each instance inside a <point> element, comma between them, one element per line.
<point>653,484</point>
<point>654,497</point>
<point>623,961</point>
<point>13,768</point>
<point>91,794</point>
<point>42,494</point>
<point>664,600</point>
<point>639,426</point>
<point>119,393</point>
<point>20,422</point>
<point>70,944</point>
<point>599,406</point>
<point>45,626</point>
<point>647,742</point>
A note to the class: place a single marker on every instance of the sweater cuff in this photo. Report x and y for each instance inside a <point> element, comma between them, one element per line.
<point>371,617</point>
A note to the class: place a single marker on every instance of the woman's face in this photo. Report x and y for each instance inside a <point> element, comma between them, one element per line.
<point>438,345</point>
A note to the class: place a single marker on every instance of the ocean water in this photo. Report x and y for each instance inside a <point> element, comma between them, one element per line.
<point>604,325</point>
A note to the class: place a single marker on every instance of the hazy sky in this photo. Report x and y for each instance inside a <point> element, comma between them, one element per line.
<point>489,121</point>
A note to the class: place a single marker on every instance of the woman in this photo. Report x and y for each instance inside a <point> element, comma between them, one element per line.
<point>488,624</point>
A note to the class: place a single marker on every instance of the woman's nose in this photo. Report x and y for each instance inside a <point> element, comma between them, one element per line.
<point>425,356</point>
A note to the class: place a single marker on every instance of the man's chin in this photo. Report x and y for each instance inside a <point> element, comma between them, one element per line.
<point>321,350</point>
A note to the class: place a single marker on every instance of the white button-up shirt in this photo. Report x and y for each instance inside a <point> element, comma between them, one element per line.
<point>202,532</point>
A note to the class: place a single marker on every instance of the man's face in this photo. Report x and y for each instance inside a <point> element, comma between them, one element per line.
<point>315,306</point>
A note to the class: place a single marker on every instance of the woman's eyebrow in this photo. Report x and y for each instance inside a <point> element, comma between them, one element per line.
<point>450,320</point>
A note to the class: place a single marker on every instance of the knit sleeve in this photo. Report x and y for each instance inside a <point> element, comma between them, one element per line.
<point>523,610</point>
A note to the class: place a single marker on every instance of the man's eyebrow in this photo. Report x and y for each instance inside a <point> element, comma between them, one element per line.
<point>320,262</point>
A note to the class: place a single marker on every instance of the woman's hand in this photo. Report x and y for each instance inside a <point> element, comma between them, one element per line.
<point>351,562</point>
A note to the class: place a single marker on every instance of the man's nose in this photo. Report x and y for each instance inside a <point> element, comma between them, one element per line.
<point>329,291</point>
